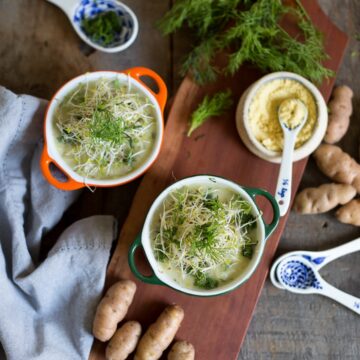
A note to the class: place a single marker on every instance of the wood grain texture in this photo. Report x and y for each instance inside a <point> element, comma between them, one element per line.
<point>215,326</point>
<point>290,327</point>
<point>39,51</point>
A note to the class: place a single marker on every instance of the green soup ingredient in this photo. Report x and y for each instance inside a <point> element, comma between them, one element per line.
<point>204,235</point>
<point>248,31</point>
<point>105,129</point>
<point>210,106</point>
<point>103,28</point>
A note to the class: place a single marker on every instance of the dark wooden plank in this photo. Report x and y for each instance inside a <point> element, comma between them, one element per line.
<point>216,326</point>
<point>286,326</point>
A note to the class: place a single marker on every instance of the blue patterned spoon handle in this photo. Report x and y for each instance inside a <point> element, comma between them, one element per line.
<point>349,301</point>
<point>321,258</point>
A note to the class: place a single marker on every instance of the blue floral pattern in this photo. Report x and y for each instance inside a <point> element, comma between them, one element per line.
<point>296,274</point>
<point>91,8</point>
<point>316,261</point>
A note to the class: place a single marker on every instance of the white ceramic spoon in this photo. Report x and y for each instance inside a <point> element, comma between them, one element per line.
<point>300,276</point>
<point>318,258</point>
<point>76,10</point>
<point>283,187</point>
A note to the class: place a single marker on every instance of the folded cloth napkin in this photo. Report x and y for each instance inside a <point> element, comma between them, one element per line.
<point>46,309</point>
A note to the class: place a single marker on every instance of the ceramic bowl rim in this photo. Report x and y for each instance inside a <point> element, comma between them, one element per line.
<point>146,236</point>
<point>50,141</point>
<point>320,127</point>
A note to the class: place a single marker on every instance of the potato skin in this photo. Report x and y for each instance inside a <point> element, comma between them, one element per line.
<point>350,213</point>
<point>323,198</point>
<point>112,309</point>
<point>124,341</point>
<point>182,350</point>
<point>338,165</point>
<point>160,334</point>
<point>340,110</point>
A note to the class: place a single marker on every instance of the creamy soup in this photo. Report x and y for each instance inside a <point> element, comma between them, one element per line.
<point>204,237</point>
<point>105,129</point>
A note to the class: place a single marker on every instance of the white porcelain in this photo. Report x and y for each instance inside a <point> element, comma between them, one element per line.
<point>284,183</point>
<point>71,7</point>
<point>318,258</point>
<point>299,275</point>
<point>248,138</point>
<point>50,135</point>
<point>162,278</point>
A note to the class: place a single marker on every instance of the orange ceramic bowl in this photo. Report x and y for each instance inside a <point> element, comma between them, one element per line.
<point>51,154</point>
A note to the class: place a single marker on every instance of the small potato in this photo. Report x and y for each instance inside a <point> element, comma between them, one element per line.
<point>182,350</point>
<point>124,342</point>
<point>338,165</point>
<point>340,110</point>
<point>160,334</point>
<point>323,198</point>
<point>350,213</point>
<point>113,308</point>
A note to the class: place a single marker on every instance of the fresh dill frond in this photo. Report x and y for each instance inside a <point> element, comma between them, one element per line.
<point>210,106</point>
<point>249,31</point>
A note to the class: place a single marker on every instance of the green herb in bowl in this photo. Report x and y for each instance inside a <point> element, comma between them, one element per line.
<point>104,28</point>
<point>204,237</point>
<point>104,129</point>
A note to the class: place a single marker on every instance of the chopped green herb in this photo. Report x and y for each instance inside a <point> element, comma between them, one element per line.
<point>203,237</point>
<point>248,31</point>
<point>214,106</point>
<point>104,130</point>
<point>103,28</point>
<point>205,282</point>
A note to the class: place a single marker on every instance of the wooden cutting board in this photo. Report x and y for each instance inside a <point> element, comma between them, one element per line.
<point>216,326</point>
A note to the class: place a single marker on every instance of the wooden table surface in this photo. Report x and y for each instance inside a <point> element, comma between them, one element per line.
<point>39,51</point>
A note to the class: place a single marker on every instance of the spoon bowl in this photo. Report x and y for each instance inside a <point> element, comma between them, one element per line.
<point>299,275</point>
<point>78,10</point>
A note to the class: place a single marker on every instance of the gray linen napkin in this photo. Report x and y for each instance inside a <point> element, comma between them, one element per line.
<point>46,309</point>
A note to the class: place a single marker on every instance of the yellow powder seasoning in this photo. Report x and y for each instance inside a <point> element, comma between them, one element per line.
<point>263,112</point>
<point>292,113</point>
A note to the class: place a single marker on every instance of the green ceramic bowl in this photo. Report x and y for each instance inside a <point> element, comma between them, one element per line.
<point>263,231</point>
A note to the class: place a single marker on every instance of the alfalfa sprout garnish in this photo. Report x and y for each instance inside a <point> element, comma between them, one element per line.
<point>105,128</point>
<point>204,236</point>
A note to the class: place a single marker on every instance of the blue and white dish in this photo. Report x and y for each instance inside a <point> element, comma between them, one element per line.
<point>297,275</point>
<point>78,10</point>
<point>88,9</point>
<point>298,272</point>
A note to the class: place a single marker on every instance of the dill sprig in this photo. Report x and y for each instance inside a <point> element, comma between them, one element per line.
<point>210,106</point>
<point>249,31</point>
<point>202,236</point>
<point>105,129</point>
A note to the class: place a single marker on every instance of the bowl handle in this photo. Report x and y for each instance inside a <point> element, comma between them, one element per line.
<point>161,96</point>
<point>269,228</point>
<point>45,162</point>
<point>153,279</point>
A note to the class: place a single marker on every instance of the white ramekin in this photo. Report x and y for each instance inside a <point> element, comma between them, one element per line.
<point>247,136</point>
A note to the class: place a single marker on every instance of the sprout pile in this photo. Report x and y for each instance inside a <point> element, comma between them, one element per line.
<point>204,237</point>
<point>105,129</point>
